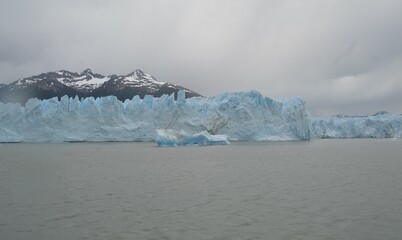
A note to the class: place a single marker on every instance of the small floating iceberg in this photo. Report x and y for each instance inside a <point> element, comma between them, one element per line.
<point>173,138</point>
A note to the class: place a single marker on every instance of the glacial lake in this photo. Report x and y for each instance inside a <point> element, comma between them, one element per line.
<point>319,189</point>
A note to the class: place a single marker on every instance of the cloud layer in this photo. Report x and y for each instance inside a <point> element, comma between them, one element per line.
<point>340,56</point>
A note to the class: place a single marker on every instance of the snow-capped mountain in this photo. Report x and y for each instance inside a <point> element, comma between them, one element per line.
<point>87,84</point>
<point>136,79</point>
<point>137,83</point>
<point>86,81</point>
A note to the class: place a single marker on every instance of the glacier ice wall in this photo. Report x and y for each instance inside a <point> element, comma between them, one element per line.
<point>173,138</point>
<point>241,116</point>
<point>386,125</point>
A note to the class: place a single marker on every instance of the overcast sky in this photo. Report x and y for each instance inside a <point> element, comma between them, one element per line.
<point>341,56</point>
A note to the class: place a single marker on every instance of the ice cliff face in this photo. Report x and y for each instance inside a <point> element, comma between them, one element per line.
<point>382,125</point>
<point>173,138</point>
<point>241,116</point>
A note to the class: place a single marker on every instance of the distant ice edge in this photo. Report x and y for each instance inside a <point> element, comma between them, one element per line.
<point>240,116</point>
<point>246,116</point>
<point>383,125</point>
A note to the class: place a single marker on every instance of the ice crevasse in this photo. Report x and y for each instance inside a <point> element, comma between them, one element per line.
<point>239,116</point>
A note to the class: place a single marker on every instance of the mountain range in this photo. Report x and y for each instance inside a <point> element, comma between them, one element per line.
<point>87,84</point>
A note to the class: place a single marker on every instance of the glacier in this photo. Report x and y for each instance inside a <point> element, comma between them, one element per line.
<point>244,116</point>
<point>381,125</point>
<point>239,116</point>
<point>174,138</point>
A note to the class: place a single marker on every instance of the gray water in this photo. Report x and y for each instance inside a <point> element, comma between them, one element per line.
<point>321,189</point>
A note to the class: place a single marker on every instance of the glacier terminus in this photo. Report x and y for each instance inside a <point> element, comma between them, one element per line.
<point>173,138</point>
<point>240,116</point>
<point>245,116</point>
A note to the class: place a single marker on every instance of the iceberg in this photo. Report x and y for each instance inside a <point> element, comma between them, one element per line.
<point>380,125</point>
<point>173,138</point>
<point>247,116</point>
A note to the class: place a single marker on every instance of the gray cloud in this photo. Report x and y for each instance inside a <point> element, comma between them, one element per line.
<point>340,56</point>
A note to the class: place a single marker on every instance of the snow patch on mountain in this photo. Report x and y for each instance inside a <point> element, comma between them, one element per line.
<point>86,80</point>
<point>137,79</point>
